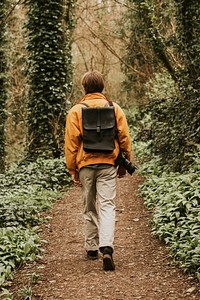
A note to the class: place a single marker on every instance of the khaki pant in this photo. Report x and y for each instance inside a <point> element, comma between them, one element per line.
<point>98,193</point>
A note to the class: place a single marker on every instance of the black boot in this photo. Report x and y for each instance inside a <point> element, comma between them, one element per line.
<point>108,263</point>
<point>92,254</point>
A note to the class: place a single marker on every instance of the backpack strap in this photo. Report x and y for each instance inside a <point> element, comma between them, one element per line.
<point>84,104</point>
<point>110,104</point>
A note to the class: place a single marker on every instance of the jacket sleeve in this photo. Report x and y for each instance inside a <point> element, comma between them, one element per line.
<point>123,131</point>
<point>72,140</point>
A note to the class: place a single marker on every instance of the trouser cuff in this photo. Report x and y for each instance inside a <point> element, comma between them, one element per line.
<point>106,250</point>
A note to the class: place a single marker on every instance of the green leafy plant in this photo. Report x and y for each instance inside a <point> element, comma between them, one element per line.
<point>171,31</point>
<point>17,246</point>
<point>162,86</point>
<point>26,293</point>
<point>26,191</point>
<point>34,278</point>
<point>174,199</point>
<point>6,294</point>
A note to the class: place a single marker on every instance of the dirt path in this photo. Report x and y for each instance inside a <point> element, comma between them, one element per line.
<point>143,269</point>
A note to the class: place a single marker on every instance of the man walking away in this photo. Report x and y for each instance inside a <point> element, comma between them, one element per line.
<point>95,170</point>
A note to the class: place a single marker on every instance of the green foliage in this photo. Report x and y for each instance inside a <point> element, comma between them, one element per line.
<point>22,207</point>
<point>138,53</point>
<point>139,126</point>
<point>152,33</point>
<point>26,190</point>
<point>26,292</point>
<point>172,30</point>
<point>50,75</point>
<point>175,200</point>
<point>172,197</point>
<point>162,86</point>
<point>174,131</point>
<point>29,189</point>
<point>188,118</point>
<point>188,32</point>
<point>169,123</point>
<point>6,294</point>
<point>44,173</point>
<point>157,20</point>
<point>3,84</point>
<point>16,246</point>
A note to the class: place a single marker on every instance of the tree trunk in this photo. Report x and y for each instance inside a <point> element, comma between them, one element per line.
<point>3,85</point>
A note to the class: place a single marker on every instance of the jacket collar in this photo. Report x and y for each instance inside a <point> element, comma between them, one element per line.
<point>93,96</point>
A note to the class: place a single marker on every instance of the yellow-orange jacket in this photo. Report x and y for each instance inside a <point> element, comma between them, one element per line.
<point>76,157</point>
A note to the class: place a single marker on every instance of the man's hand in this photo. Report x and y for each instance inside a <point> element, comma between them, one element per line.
<point>121,171</point>
<point>75,178</point>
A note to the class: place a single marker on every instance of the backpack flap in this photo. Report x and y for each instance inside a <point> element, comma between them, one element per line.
<point>98,129</point>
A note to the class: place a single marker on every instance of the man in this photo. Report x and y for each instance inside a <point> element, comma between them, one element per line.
<point>96,171</point>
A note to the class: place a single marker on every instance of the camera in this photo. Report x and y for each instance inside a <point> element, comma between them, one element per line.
<point>123,161</point>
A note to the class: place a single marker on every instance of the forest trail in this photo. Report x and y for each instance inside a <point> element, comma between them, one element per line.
<point>143,268</point>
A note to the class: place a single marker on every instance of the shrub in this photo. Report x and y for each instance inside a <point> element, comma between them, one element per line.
<point>26,190</point>
<point>175,200</point>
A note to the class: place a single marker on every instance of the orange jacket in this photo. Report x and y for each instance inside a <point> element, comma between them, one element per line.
<point>76,157</point>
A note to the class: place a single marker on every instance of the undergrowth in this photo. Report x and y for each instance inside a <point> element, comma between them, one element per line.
<point>174,199</point>
<point>26,190</point>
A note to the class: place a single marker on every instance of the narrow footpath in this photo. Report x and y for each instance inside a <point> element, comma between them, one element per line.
<point>143,267</point>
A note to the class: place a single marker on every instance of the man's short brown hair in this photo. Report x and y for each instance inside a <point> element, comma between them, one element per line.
<point>93,82</point>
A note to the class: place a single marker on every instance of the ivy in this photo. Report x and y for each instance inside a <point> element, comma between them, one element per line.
<point>50,71</point>
<point>172,30</point>
<point>188,22</point>
<point>3,84</point>
<point>138,54</point>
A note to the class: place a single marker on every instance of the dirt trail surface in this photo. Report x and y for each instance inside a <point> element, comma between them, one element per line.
<point>143,269</point>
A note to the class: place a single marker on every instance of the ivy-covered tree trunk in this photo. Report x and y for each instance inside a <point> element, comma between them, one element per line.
<point>138,54</point>
<point>3,85</point>
<point>172,29</point>
<point>49,74</point>
<point>188,30</point>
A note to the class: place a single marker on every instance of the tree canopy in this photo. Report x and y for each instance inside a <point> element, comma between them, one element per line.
<point>141,47</point>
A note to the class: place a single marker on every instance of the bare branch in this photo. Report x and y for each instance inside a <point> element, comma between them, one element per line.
<point>125,5</point>
<point>112,50</point>
<point>91,42</point>
<point>10,12</point>
<point>81,52</point>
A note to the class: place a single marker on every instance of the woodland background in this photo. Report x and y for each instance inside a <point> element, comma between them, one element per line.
<point>149,53</point>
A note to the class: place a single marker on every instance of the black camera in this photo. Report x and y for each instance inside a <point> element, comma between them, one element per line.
<point>124,162</point>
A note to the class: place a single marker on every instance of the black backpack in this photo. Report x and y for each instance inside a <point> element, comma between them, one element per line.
<point>99,128</point>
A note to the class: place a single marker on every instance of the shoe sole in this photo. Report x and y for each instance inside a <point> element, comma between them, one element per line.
<point>108,264</point>
<point>92,257</point>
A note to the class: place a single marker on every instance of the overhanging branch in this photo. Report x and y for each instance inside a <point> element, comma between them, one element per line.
<point>141,74</point>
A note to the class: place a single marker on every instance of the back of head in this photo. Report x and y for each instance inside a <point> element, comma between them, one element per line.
<point>93,82</point>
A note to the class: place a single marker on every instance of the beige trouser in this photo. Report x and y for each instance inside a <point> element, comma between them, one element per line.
<point>99,216</point>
